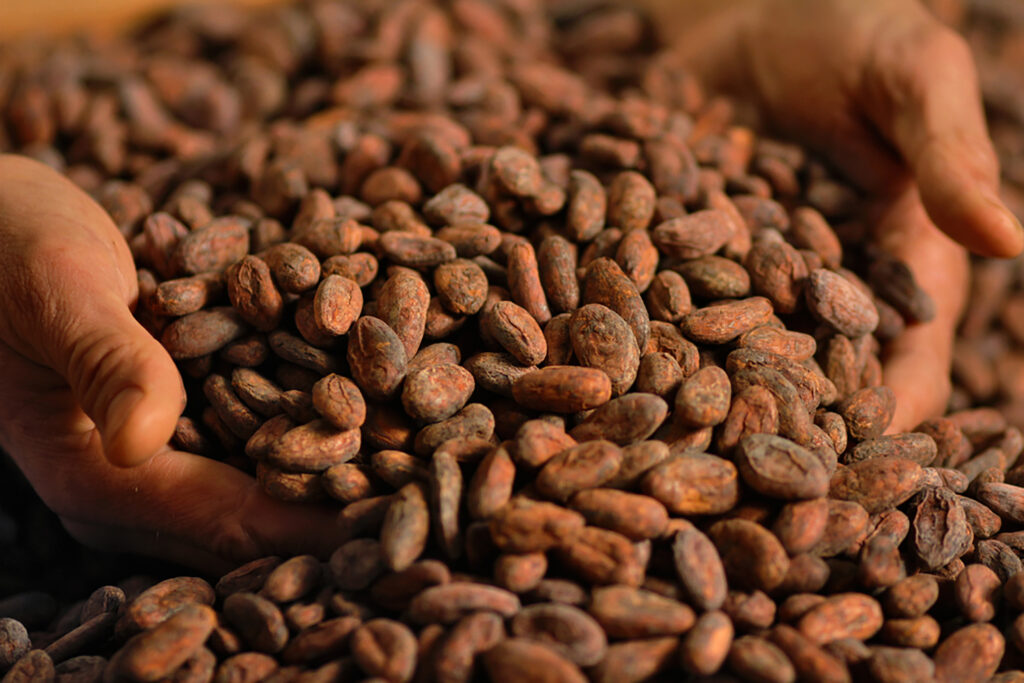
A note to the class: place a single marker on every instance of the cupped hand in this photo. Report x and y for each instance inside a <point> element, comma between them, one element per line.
<point>889,96</point>
<point>88,399</point>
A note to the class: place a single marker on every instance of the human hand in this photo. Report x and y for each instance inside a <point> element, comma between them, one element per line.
<point>88,399</point>
<point>890,96</point>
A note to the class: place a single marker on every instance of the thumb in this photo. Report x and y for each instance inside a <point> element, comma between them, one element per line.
<point>71,276</point>
<point>122,377</point>
<point>921,90</point>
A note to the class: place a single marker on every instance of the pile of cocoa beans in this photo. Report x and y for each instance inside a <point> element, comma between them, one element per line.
<point>589,367</point>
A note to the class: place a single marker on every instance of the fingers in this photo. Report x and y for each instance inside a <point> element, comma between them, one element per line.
<point>920,88</point>
<point>195,511</point>
<point>75,279</point>
<point>911,372</point>
<point>121,376</point>
<point>176,506</point>
<point>917,364</point>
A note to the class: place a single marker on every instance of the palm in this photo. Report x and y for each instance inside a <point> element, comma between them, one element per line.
<point>178,506</point>
<point>890,97</point>
<point>68,346</point>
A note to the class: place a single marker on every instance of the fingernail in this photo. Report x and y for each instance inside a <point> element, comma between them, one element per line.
<point>1017,228</point>
<point>1014,220</point>
<point>1009,219</point>
<point>120,409</point>
<point>998,204</point>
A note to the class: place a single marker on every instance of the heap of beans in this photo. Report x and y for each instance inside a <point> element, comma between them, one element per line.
<point>584,363</point>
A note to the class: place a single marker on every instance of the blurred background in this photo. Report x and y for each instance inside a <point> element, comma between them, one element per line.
<point>56,17</point>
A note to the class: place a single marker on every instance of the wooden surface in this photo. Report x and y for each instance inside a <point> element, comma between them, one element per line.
<point>54,17</point>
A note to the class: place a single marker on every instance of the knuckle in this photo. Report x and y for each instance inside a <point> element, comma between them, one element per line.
<point>948,47</point>
<point>95,358</point>
<point>937,52</point>
<point>233,543</point>
<point>39,319</point>
<point>233,536</point>
<point>912,60</point>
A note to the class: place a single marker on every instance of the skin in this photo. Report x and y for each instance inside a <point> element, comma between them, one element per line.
<point>890,96</point>
<point>88,400</point>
